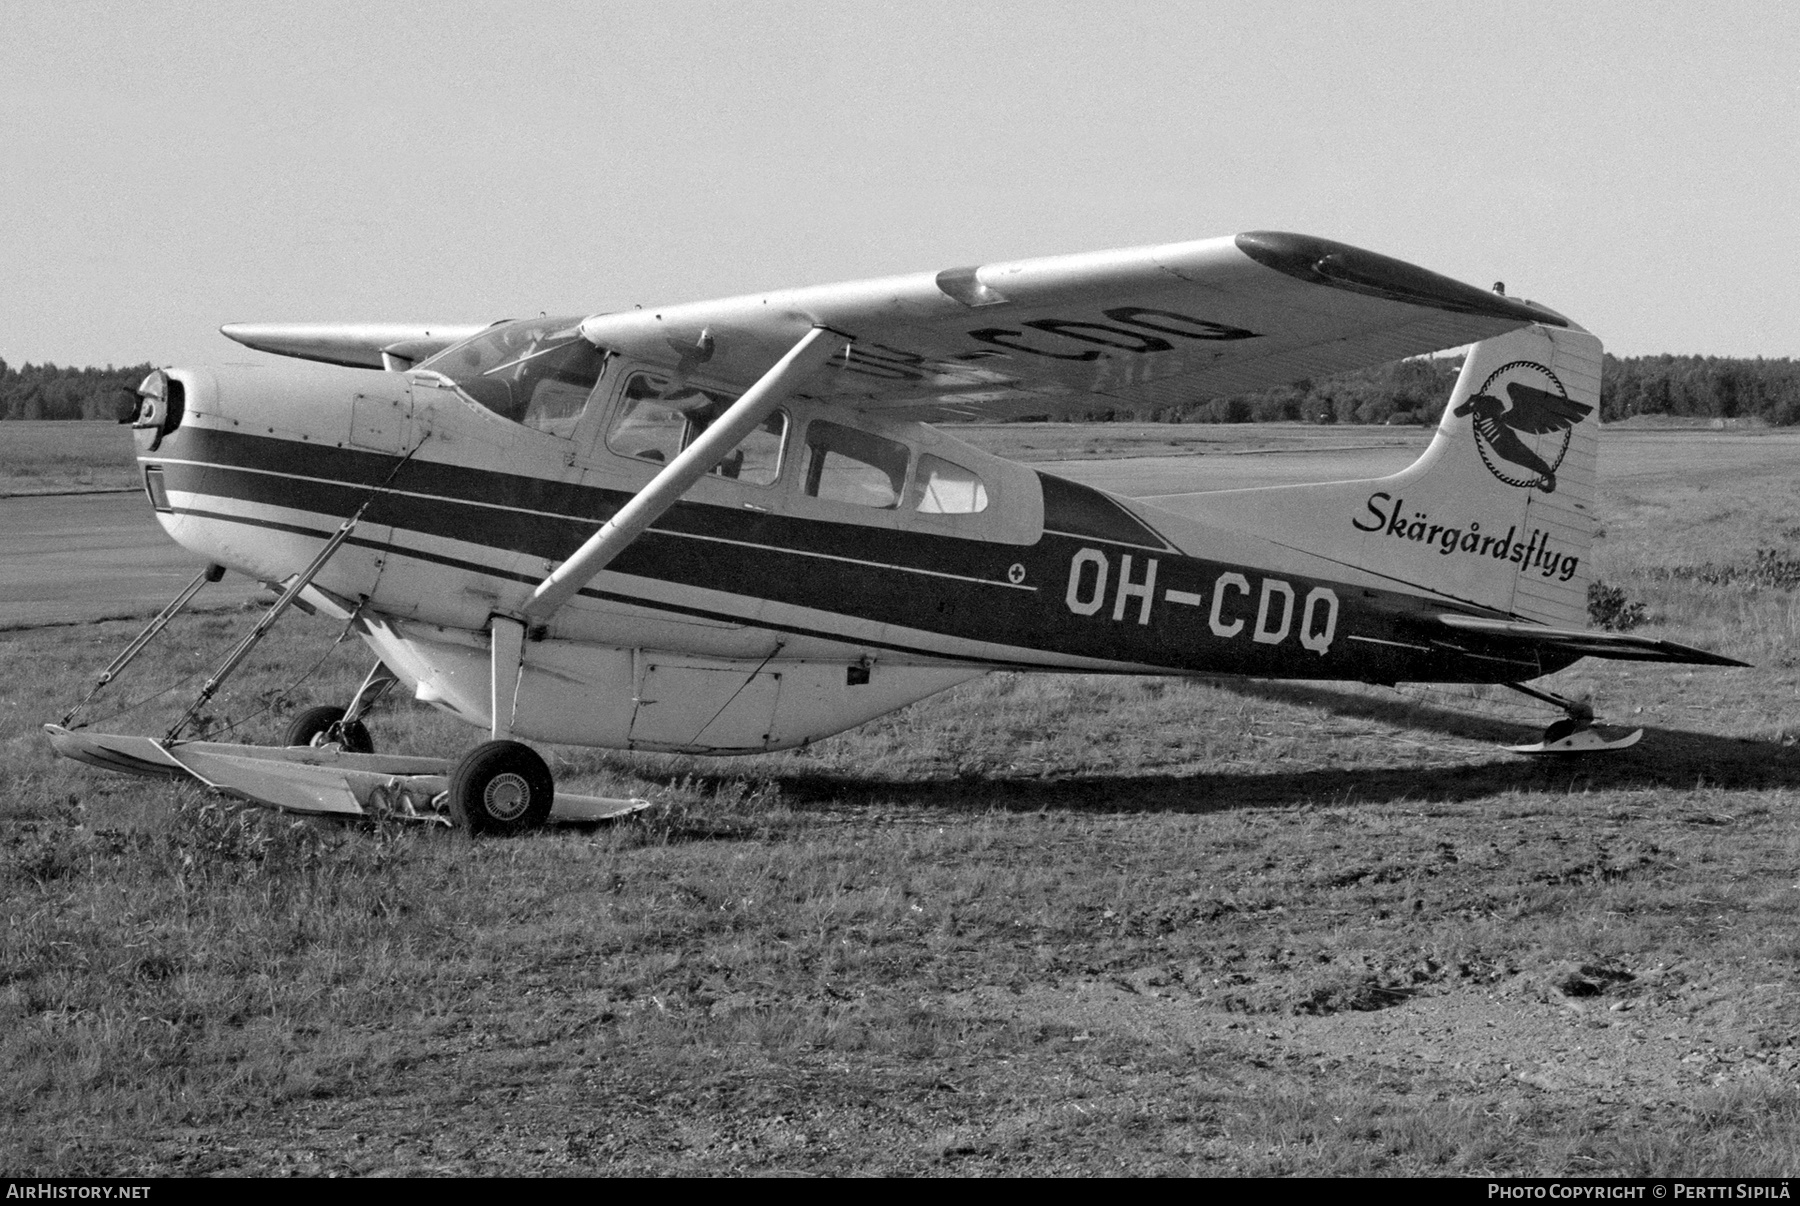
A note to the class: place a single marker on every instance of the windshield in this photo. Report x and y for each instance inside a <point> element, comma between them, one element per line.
<point>535,371</point>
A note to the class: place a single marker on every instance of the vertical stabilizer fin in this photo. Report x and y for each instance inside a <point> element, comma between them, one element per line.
<point>1498,512</point>
<point>1511,473</point>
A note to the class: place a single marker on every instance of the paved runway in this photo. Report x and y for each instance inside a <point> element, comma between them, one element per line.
<point>70,558</point>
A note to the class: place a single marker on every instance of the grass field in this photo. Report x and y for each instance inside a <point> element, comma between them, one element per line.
<point>40,457</point>
<point>1038,925</point>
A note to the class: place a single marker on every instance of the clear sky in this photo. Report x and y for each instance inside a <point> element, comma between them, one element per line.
<point>168,167</point>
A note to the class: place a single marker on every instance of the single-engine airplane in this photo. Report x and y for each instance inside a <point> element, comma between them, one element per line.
<point>731,526</point>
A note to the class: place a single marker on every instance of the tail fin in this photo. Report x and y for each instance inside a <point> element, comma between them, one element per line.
<point>1509,478</point>
<point>1498,512</point>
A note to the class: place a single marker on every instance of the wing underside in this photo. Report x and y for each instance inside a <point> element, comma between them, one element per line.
<point>1130,330</point>
<point>352,345</point>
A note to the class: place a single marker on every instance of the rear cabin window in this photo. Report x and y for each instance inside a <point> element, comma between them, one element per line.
<point>657,418</point>
<point>942,488</point>
<point>844,464</point>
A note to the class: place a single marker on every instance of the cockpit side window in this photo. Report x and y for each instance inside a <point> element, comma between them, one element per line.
<point>648,426</point>
<point>657,418</point>
<point>537,372</point>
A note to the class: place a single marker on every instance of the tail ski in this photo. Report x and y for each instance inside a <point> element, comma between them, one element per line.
<point>1498,512</point>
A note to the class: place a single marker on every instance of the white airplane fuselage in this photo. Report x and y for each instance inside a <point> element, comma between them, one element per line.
<point>760,612</point>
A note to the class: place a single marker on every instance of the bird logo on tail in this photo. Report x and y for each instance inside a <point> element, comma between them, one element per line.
<point>1529,430</point>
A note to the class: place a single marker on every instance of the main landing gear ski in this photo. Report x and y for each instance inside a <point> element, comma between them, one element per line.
<point>327,764</point>
<point>1575,732</point>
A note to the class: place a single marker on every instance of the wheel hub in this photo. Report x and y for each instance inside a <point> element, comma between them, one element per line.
<point>506,796</point>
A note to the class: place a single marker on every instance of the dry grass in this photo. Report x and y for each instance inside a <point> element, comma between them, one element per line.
<point>1042,925</point>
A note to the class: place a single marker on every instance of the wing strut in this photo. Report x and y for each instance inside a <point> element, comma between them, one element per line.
<point>507,633</point>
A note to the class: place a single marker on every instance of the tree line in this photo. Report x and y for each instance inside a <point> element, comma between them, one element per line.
<point>1407,391</point>
<point>46,391</point>
<point>1414,391</point>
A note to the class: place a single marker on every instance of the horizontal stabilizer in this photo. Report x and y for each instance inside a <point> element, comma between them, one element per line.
<point>1587,643</point>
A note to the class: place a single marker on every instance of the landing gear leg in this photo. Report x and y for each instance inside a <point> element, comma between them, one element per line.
<point>377,683</point>
<point>1575,732</point>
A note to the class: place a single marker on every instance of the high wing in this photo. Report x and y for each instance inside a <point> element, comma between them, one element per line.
<point>1538,412</point>
<point>1133,330</point>
<point>377,345</point>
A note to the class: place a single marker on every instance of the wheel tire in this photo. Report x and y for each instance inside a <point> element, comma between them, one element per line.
<point>1559,729</point>
<point>313,727</point>
<point>501,787</point>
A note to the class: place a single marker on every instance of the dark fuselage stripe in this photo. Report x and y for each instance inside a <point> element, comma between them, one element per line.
<point>649,604</point>
<point>1099,602</point>
<point>662,531</point>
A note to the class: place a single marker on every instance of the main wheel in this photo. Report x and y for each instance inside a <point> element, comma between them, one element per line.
<point>1556,730</point>
<point>501,787</point>
<point>314,727</point>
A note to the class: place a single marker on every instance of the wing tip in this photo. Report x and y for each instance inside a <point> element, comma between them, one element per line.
<point>1325,262</point>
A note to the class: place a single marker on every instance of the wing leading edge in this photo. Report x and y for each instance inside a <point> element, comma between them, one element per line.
<point>1133,329</point>
<point>372,345</point>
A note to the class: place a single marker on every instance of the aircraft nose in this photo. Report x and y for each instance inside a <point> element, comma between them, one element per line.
<point>249,465</point>
<point>315,404</point>
<point>194,424</point>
